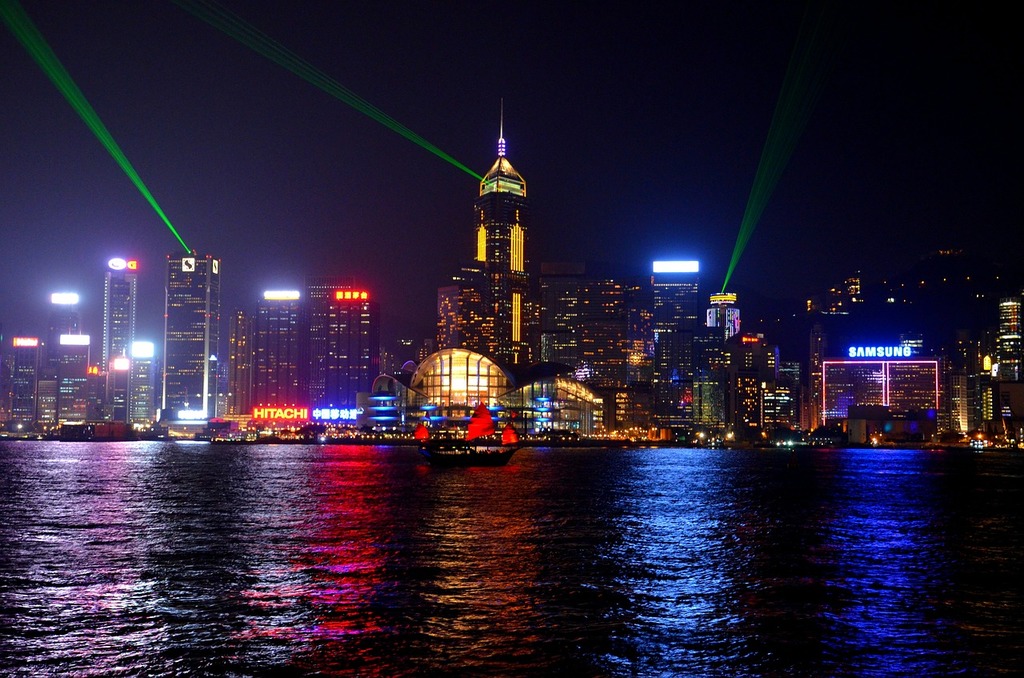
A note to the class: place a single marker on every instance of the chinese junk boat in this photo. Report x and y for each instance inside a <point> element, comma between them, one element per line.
<point>482,446</point>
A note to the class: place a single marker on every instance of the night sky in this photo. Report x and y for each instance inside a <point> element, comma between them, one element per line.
<point>638,131</point>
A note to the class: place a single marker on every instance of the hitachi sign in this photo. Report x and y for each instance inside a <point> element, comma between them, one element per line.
<point>289,413</point>
<point>880,352</point>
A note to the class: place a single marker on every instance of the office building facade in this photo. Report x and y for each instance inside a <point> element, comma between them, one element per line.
<point>502,217</point>
<point>902,384</point>
<point>676,296</point>
<point>120,292</point>
<point>344,342</point>
<point>240,336</point>
<point>277,355</point>
<point>141,384</point>
<point>191,338</point>
<point>22,359</point>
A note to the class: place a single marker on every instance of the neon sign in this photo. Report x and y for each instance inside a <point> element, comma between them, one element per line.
<point>676,266</point>
<point>121,364</point>
<point>74,340</point>
<point>26,342</point>
<point>64,298</point>
<point>880,352</point>
<point>350,295</point>
<point>289,413</point>
<point>337,413</point>
<point>119,264</point>
<point>143,349</point>
<point>191,415</point>
<point>281,295</point>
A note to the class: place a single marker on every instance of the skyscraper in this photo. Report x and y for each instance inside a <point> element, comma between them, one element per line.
<point>344,341</point>
<point>463,319</point>
<point>61,381</point>
<point>1008,342</point>
<point>560,285</point>
<point>120,290</point>
<point>140,384</point>
<point>277,340</point>
<point>239,364</point>
<point>191,337</point>
<point>72,378</point>
<point>22,362</point>
<point>676,292</point>
<point>723,316</point>
<point>501,228</point>
<point>64,319</point>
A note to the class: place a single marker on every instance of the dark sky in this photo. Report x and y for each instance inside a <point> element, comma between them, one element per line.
<point>638,131</point>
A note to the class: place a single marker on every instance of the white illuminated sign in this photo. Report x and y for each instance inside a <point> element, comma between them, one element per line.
<point>188,265</point>
<point>689,266</point>
<point>143,349</point>
<point>191,415</point>
<point>119,264</point>
<point>216,266</point>
<point>64,298</point>
<point>880,352</point>
<point>74,340</point>
<point>281,295</point>
<point>121,364</point>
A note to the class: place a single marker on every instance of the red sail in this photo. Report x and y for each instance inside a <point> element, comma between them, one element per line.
<point>481,423</point>
<point>421,433</point>
<point>509,435</point>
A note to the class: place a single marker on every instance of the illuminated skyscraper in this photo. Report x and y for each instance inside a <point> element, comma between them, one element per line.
<point>120,290</point>
<point>64,319</point>
<point>902,385</point>
<point>344,342</point>
<point>1008,342</point>
<point>72,378</point>
<point>501,226</point>
<point>191,337</point>
<point>277,340</point>
<point>560,285</point>
<point>463,319</point>
<point>675,286</point>
<point>723,316</point>
<point>815,390</point>
<point>239,364</point>
<point>140,384</point>
<point>22,367</point>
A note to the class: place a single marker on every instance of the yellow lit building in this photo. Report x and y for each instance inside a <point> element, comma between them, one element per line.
<point>447,386</point>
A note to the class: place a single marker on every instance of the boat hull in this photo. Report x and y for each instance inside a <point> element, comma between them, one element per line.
<point>460,453</point>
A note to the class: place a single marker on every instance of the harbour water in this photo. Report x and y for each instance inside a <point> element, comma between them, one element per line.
<point>191,559</point>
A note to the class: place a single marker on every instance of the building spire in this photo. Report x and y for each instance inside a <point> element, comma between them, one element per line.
<point>501,131</point>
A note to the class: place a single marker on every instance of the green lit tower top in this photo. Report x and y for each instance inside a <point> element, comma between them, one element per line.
<point>501,225</point>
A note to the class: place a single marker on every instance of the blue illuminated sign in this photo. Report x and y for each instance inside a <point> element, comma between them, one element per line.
<point>337,413</point>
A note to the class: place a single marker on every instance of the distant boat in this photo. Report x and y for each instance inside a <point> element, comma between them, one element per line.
<point>482,445</point>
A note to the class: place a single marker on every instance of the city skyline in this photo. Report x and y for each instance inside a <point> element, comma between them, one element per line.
<point>641,146</point>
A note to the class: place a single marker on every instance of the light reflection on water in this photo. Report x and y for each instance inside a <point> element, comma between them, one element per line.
<point>155,558</point>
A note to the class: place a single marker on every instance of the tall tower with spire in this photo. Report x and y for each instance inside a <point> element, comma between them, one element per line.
<point>501,226</point>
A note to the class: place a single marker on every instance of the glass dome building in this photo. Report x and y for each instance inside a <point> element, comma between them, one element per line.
<point>445,388</point>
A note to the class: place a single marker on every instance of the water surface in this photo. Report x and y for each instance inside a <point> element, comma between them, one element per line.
<point>173,559</point>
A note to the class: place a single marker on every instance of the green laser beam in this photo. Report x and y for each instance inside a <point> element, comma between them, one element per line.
<point>250,36</point>
<point>802,85</point>
<point>32,40</point>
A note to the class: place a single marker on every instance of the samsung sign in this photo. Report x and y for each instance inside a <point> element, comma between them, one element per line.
<point>880,352</point>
